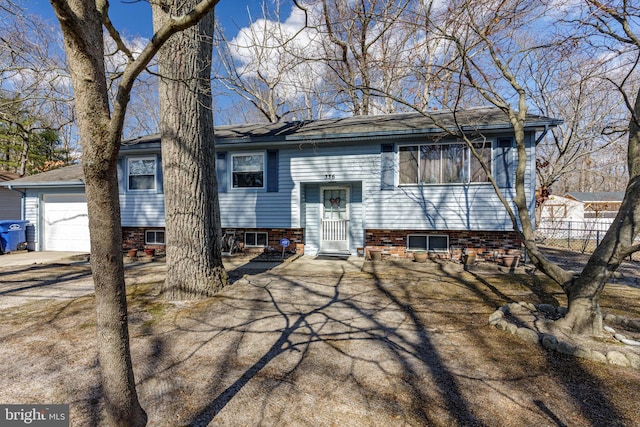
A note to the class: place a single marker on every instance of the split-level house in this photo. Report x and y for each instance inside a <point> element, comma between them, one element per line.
<point>395,182</point>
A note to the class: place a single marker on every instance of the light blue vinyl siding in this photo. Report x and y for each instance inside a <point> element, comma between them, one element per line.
<point>304,170</point>
<point>142,210</point>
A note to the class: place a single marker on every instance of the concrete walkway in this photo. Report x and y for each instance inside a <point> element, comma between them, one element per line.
<point>22,258</point>
<point>305,264</point>
<point>27,276</point>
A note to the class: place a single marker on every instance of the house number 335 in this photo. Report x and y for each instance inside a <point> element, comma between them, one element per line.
<point>330,177</point>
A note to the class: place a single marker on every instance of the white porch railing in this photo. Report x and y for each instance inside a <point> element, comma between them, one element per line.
<point>335,230</point>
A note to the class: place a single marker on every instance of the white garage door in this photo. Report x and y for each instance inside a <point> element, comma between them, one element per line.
<point>66,223</point>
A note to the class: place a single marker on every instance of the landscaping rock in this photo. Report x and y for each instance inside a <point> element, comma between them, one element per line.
<point>617,358</point>
<point>549,341</point>
<point>528,335</point>
<point>547,309</point>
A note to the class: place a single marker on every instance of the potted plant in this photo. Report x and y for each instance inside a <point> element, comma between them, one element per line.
<point>149,252</point>
<point>420,256</point>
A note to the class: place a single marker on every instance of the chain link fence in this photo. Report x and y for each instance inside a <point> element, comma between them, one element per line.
<point>576,236</point>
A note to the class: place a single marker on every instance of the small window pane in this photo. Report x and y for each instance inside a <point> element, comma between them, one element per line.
<point>477,173</point>
<point>453,163</point>
<point>142,174</point>
<point>258,239</point>
<point>438,243</point>
<point>248,171</point>
<point>417,242</point>
<point>154,237</point>
<point>430,164</point>
<point>408,165</point>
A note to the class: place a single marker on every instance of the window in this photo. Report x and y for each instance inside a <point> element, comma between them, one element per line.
<point>255,239</point>
<point>443,163</point>
<point>154,237</point>
<point>142,173</point>
<point>248,170</point>
<point>427,242</point>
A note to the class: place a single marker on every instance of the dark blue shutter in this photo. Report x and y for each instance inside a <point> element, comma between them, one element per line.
<point>272,171</point>
<point>387,170</point>
<point>121,177</point>
<point>221,171</point>
<point>504,168</point>
<point>159,175</point>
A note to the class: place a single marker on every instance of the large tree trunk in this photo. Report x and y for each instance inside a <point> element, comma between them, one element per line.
<point>81,26</point>
<point>584,292</point>
<point>194,262</point>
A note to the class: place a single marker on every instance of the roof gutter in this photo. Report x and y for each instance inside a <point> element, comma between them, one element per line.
<point>44,184</point>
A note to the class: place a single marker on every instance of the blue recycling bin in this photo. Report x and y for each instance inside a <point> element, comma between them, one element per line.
<point>12,234</point>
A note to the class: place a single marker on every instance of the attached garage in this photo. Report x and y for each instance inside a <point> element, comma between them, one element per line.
<point>55,205</point>
<point>65,223</point>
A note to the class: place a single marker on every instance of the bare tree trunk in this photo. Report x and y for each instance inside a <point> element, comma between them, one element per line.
<point>81,25</point>
<point>194,262</point>
<point>584,292</point>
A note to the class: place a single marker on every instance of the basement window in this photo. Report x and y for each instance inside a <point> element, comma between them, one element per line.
<point>154,237</point>
<point>428,242</point>
<point>256,239</point>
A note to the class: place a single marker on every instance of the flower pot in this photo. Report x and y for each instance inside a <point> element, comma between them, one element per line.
<point>149,252</point>
<point>132,253</point>
<point>420,256</point>
<point>375,254</point>
<point>510,260</point>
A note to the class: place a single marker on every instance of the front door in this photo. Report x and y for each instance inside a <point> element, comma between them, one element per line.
<point>335,219</point>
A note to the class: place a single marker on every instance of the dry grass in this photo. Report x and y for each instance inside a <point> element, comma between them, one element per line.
<point>398,345</point>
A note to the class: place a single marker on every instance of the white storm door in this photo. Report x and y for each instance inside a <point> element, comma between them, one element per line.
<point>335,219</point>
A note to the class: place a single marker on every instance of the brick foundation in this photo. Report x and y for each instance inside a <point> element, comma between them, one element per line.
<point>394,242</point>
<point>133,237</point>
<point>295,236</point>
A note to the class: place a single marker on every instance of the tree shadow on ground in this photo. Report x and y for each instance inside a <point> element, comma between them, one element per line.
<point>345,317</point>
<point>268,330</point>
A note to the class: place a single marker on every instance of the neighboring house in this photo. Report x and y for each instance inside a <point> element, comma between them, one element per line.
<point>394,182</point>
<point>598,205</point>
<point>558,208</point>
<point>10,200</point>
<point>582,206</point>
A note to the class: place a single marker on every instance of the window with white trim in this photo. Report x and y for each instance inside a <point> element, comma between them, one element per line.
<point>154,237</point>
<point>141,173</point>
<point>247,170</point>
<point>256,239</point>
<point>428,242</point>
<point>443,163</point>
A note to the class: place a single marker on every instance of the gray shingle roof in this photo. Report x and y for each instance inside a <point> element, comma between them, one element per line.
<point>66,176</point>
<point>359,127</point>
<point>585,197</point>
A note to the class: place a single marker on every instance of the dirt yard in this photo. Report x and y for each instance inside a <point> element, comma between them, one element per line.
<point>397,344</point>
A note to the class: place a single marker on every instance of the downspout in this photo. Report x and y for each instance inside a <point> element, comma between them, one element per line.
<point>543,134</point>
